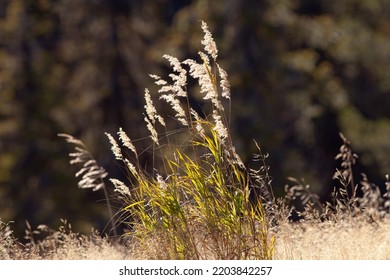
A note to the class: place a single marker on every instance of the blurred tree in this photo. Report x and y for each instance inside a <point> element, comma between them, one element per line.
<point>34,186</point>
<point>337,61</point>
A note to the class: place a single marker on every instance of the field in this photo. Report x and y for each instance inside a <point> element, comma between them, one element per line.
<point>338,240</point>
<point>198,200</point>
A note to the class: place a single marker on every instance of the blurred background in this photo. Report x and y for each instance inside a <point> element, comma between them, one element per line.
<point>301,71</point>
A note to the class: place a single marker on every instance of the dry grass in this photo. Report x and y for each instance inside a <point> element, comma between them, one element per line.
<point>349,239</point>
<point>44,243</point>
<point>349,227</point>
<point>342,240</point>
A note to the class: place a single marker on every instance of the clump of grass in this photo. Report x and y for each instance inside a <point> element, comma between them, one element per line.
<point>197,205</point>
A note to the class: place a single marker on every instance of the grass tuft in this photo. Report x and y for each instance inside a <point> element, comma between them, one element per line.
<point>197,200</point>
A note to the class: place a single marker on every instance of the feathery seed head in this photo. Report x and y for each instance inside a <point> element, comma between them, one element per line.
<point>199,126</point>
<point>72,140</point>
<point>131,167</point>
<point>126,141</point>
<point>92,176</point>
<point>151,111</point>
<point>116,150</point>
<point>152,130</point>
<point>175,63</point>
<point>208,42</point>
<point>203,73</point>
<point>179,81</point>
<point>120,187</point>
<point>175,104</point>
<point>158,80</point>
<point>224,83</point>
<point>91,173</point>
<point>220,128</point>
<point>149,107</point>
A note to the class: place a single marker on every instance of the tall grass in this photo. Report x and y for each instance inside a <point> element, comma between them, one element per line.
<point>196,202</point>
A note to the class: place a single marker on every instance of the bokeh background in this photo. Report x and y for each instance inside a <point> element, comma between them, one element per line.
<point>301,71</point>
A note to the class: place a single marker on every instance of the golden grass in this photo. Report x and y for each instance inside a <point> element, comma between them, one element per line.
<point>350,239</point>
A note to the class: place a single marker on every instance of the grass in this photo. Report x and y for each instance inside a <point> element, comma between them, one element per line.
<point>44,243</point>
<point>197,200</point>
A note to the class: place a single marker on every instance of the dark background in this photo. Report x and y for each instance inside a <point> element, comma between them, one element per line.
<point>301,71</point>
